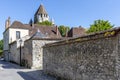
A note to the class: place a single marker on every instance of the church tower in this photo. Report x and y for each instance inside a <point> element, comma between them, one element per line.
<point>41,15</point>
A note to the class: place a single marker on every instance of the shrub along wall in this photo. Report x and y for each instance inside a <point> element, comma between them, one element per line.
<point>91,57</point>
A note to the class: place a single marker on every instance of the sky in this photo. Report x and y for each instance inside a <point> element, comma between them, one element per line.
<point>71,13</point>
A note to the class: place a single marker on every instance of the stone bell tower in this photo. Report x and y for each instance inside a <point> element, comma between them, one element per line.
<point>41,15</point>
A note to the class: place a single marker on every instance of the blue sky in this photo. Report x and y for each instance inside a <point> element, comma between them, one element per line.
<point>65,12</point>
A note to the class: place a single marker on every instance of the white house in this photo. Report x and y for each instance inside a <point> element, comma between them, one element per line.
<point>17,34</point>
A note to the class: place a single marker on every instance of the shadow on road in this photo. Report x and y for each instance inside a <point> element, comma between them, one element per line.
<point>8,65</point>
<point>26,74</point>
<point>36,75</point>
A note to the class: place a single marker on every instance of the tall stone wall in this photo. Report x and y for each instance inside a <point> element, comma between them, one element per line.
<point>33,52</point>
<point>91,57</point>
<point>6,55</point>
<point>27,54</point>
<point>14,51</point>
<point>14,55</point>
<point>37,53</point>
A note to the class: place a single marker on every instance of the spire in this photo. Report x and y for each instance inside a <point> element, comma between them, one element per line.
<point>52,20</point>
<point>41,10</point>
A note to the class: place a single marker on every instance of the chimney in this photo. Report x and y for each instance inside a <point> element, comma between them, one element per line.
<point>66,34</point>
<point>7,23</point>
<point>56,30</point>
<point>33,26</point>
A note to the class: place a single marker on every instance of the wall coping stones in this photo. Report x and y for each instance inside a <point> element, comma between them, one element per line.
<point>45,39</point>
<point>93,36</point>
<point>12,42</point>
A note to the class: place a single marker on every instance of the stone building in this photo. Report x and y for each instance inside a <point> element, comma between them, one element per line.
<point>12,33</point>
<point>23,42</point>
<point>76,32</point>
<point>41,15</point>
<point>34,45</point>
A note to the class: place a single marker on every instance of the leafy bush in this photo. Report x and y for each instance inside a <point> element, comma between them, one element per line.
<point>1,44</point>
<point>47,23</point>
<point>63,30</point>
<point>99,25</point>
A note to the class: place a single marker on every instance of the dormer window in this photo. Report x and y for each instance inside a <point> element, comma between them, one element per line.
<point>17,34</point>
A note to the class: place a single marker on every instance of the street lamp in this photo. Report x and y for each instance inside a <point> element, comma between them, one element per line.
<point>20,41</point>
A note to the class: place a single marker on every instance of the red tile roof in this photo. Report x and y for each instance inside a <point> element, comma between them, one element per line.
<point>76,32</point>
<point>50,31</point>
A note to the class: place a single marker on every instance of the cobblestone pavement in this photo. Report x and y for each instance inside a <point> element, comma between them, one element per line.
<point>9,71</point>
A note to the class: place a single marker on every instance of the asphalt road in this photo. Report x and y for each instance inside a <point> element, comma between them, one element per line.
<point>9,71</point>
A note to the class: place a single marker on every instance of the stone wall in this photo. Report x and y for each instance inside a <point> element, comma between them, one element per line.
<point>27,54</point>
<point>91,57</point>
<point>14,55</point>
<point>33,52</point>
<point>14,50</point>
<point>38,52</point>
<point>6,55</point>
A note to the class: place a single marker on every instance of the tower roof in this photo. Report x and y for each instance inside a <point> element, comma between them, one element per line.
<point>41,10</point>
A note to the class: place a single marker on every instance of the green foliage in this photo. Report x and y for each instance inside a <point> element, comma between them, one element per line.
<point>63,30</point>
<point>1,52</point>
<point>1,47</point>
<point>47,23</point>
<point>99,25</point>
<point>1,44</point>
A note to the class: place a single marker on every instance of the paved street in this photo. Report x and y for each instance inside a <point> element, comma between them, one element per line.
<point>9,71</point>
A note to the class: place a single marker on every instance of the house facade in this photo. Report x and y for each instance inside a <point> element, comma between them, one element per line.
<point>23,42</point>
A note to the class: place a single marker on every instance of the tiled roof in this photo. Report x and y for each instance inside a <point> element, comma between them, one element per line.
<point>38,35</point>
<point>76,32</point>
<point>19,25</point>
<point>49,31</point>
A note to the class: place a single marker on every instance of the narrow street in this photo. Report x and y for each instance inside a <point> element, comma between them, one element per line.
<point>10,71</point>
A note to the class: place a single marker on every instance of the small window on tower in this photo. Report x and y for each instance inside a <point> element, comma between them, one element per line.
<point>41,15</point>
<point>17,34</point>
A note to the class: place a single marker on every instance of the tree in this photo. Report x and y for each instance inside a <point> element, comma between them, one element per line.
<point>63,30</point>
<point>1,47</point>
<point>47,23</point>
<point>1,44</point>
<point>99,25</point>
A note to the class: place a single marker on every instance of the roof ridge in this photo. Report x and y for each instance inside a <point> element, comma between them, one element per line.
<point>38,34</point>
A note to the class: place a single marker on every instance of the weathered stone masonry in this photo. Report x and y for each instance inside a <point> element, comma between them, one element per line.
<point>91,57</point>
<point>33,52</point>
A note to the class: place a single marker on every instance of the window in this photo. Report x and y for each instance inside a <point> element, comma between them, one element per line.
<point>41,15</point>
<point>17,34</point>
